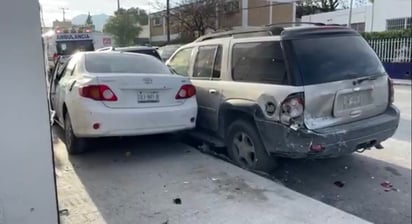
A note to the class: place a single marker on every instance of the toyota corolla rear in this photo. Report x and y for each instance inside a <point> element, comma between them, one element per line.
<point>125,94</point>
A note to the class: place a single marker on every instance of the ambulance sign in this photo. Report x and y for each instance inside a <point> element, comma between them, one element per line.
<point>73,36</point>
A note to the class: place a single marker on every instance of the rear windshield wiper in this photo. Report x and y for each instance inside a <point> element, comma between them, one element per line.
<point>370,78</point>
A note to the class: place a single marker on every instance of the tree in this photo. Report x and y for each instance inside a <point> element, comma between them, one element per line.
<point>193,17</point>
<point>89,20</point>
<point>307,7</point>
<point>125,25</point>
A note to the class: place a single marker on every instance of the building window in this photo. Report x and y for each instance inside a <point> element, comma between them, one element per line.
<point>157,21</point>
<point>231,6</point>
<point>360,27</point>
<point>398,24</point>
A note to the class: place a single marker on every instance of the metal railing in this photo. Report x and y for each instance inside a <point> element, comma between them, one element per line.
<point>397,50</point>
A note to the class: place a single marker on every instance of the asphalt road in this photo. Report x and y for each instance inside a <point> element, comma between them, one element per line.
<point>362,175</point>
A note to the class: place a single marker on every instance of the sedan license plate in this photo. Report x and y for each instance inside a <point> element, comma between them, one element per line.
<point>148,97</point>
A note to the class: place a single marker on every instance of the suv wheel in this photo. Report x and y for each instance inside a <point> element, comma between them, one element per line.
<point>246,149</point>
<point>74,145</point>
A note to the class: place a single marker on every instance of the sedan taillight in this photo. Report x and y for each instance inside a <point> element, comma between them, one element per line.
<point>186,91</point>
<point>98,92</point>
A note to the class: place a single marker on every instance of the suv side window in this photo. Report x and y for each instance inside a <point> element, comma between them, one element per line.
<point>208,62</point>
<point>181,61</point>
<point>259,62</point>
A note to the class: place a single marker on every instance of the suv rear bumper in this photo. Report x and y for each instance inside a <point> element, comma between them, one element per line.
<point>281,140</point>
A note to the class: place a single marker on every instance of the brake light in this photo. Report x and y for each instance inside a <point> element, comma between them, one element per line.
<point>391,91</point>
<point>186,91</point>
<point>292,108</point>
<point>55,56</point>
<point>98,92</point>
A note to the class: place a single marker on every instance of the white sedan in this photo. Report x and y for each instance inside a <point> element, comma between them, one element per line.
<point>104,94</point>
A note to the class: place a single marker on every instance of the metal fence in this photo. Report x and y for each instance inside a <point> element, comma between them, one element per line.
<point>397,50</point>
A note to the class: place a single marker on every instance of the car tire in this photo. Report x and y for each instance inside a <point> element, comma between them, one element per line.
<point>246,149</point>
<point>74,145</point>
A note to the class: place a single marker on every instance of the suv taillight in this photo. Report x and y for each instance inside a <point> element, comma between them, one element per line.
<point>391,91</point>
<point>292,108</point>
<point>98,92</point>
<point>186,91</point>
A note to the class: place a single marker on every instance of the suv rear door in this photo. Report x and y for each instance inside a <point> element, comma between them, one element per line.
<point>344,80</point>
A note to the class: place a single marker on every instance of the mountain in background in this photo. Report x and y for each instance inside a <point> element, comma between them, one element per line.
<point>98,20</point>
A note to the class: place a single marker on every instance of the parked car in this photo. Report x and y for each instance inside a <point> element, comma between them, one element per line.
<point>298,92</point>
<point>166,51</point>
<point>135,49</point>
<point>104,94</point>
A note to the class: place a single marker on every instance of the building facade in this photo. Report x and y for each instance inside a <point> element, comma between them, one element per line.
<point>232,15</point>
<point>380,16</point>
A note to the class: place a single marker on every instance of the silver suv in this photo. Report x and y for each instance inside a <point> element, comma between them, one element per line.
<point>298,92</point>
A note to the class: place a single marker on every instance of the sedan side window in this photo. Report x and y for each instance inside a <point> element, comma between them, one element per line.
<point>181,61</point>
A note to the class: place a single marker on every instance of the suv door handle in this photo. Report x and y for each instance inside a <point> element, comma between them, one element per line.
<point>212,91</point>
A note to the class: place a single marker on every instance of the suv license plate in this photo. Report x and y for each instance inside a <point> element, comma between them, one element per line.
<point>148,97</point>
<point>354,100</point>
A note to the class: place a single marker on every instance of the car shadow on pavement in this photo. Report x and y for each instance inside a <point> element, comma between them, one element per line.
<point>374,190</point>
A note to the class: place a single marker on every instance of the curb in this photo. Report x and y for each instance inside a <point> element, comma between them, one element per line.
<point>402,82</point>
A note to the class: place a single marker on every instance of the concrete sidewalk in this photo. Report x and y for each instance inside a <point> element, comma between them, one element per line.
<point>166,182</point>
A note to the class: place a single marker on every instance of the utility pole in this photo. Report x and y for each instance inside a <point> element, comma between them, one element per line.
<point>64,13</point>
<point>350,13</point>
<point>118,5</point>
<point>168,20</point>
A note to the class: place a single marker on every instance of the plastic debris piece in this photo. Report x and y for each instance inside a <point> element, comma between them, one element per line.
<point>346,167</point>
<point>386,184</point>
<point>185,182</point>
<point>339,183</point>
<point>64,212</point>
<point>128,153</point>
<point>177,201</point>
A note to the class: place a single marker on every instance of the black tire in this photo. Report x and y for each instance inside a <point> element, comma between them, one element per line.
<point>246,149</point>
<point>74,145</point>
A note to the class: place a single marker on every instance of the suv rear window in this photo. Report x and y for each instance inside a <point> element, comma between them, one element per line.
<point>124,63</point>
<point>329,59</point>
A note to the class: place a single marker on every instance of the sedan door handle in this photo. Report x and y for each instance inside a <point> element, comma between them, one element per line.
<point>212,91</point>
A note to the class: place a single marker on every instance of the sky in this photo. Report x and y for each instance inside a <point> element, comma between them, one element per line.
<point>52,11</point>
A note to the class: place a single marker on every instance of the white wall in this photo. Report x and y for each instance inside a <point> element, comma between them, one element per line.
<point>27,185</point>
<point>383,10</point>
<point>390,9</point>
<point>359,15</point>
<point>145,33</point>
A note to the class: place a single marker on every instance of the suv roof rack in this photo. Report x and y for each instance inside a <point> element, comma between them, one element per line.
<point>270,30</point>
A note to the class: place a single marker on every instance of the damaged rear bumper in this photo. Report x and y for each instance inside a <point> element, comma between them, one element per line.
<point>281,140</point>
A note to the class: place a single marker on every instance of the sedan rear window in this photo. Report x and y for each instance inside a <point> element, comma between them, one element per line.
<point>124,63</point>
<point>335,58</point>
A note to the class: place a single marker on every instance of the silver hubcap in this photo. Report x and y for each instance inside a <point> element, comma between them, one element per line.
<point>244,149</point>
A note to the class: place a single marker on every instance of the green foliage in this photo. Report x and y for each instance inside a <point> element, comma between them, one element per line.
<point>125,25</point>
<point>388,34</point>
